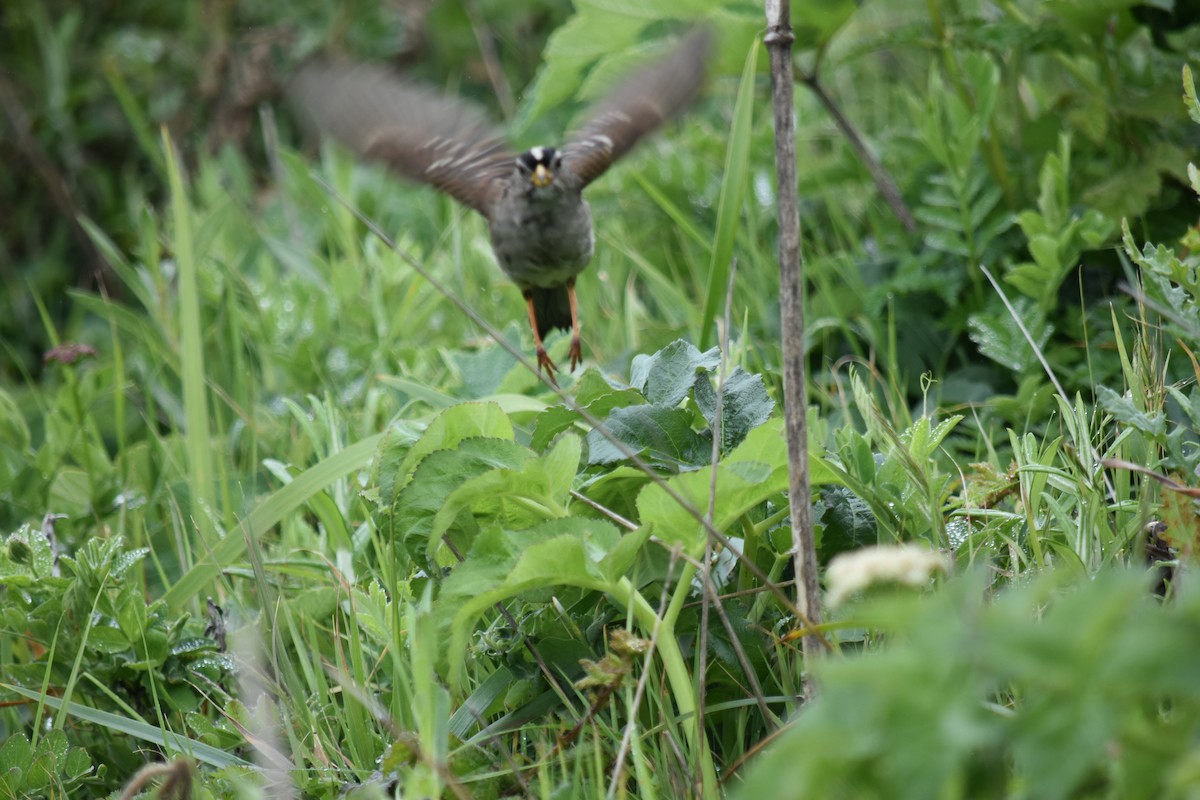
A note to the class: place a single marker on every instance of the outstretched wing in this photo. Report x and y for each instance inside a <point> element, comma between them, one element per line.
<point>420,134</point>
<point>639,105</point>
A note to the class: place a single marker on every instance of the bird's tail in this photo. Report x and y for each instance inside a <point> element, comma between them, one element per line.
<point>553,309</point>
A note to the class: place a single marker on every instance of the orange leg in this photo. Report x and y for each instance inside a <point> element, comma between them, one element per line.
<point>576,351</point>
<point>543,358</point>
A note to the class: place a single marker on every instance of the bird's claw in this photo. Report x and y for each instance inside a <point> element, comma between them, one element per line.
<point>545,363</point>
<point>575,354</point>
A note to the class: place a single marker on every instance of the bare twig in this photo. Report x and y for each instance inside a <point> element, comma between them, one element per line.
<point>883,179</point>
<point>791,310</point>
<point>56,183</point>
<point>491,61</point>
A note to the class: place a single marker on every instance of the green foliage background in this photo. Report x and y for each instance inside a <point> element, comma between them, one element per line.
<point>438,579</point>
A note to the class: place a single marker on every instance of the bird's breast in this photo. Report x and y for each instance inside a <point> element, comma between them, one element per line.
<point>542,245</point>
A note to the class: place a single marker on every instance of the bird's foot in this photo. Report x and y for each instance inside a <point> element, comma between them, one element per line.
<point>575,354</point>
<point>544,363</point>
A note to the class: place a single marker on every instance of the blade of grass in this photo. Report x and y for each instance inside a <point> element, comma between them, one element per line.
<point>132,727</point>
<point>729,207</point>
<point>191,353</point>
<point>267,514</point>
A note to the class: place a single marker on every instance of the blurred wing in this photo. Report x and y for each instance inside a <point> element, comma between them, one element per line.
<point>420,134</point>
<point>638,106</point>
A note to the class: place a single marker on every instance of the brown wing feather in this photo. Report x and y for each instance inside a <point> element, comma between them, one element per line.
<point>638,106</point>
<point>422,135</point>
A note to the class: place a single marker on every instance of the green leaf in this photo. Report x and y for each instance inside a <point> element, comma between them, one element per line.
<point>666,377</point>
<point>999,337</point>
<point>200,470</point>
<point>437,477</point>
<point>845,520</point>
<point>650,9</point>
<point>1123,410</point>
<point>564,552</point>
<point>591,34</point>
<point>662,436</point>
<point>517,497</point>
<point>815,22</point>
<point>745,405</point>
<point>456,423</point>
<point>754,472</point>
<point>105,639</point>
<point>592,393</point>
<point>15,754</point>
<point>1189,94</point>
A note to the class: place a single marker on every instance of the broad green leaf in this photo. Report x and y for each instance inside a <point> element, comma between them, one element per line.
<point>455,424</point>
<point>15,753</point>
<point>105,639</point>
<point>570,556</point>
<point>745,405</point>
<point>663,436</point>
<point>666,377</point>
<point>437,477</point>
<point>514,498</point>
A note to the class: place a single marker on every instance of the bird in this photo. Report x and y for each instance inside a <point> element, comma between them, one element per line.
<point>539,224</point>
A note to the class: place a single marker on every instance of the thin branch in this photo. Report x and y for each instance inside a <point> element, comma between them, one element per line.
<point>791,310</point>
<point>42,165</point>
<point>491,61</point>
<point>883,179</point>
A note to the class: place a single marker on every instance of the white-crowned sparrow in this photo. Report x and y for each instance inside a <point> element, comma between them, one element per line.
<point>540,225</point>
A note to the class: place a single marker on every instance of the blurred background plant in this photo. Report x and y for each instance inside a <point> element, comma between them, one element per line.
<point>227,386</point>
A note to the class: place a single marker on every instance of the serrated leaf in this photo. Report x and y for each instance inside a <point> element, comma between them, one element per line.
<point>667,377</point>
<point>846,522</point>
<point>1000,338</point>
<point>1123,410</point>
<point>661,435</point>
<point>455,424</point>
<point>1189,94</point>
<point>745,405</point>
<point>514,498</point>
<point>438,476</point>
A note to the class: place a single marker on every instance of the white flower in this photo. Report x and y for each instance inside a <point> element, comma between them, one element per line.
<point>909,564</point>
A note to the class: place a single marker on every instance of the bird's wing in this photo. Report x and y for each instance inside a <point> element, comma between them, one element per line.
<point>640,104</point>
<point>422,135</point>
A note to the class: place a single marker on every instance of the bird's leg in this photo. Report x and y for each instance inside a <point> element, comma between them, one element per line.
<point>576,351</point>
<point>543,358</point>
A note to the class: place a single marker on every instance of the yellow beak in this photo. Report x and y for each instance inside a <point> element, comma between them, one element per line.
<point>541,177</point>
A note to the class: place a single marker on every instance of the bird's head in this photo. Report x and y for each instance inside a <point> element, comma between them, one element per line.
<point>540,166</point>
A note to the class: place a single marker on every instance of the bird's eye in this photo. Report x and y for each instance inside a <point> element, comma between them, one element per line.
<point>557,161</point>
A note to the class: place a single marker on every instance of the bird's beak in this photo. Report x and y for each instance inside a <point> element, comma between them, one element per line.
<point>541,177</point>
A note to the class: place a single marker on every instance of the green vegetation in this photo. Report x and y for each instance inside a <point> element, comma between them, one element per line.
<point>277,513</point>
